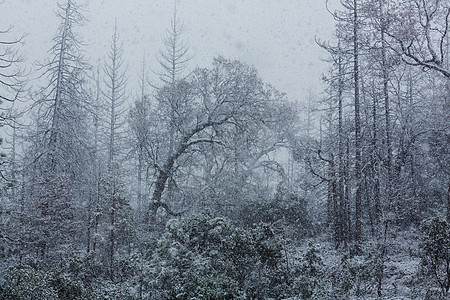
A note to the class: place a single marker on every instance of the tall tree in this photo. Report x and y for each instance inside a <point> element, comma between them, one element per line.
<point>358,209</point>
<point>115,97</point>
<point>58,152</point>
<point>213,102</point>
<point>12,86</point>
<point>12,83</point>
<point>350,25</point>
<point>94,204</point>
<point>384,24</point>
<point>173,60</point>
<point>337,89</point>
<point>139,119</point>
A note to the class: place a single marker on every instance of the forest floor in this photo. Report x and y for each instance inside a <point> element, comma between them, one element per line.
<point>354,277</point>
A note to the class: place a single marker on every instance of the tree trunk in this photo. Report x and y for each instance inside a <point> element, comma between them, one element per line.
<point>358,196</point>
<point>386,110</point>
<point>341,167</point>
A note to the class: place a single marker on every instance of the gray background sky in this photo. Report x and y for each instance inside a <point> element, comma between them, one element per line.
<point>276,36</point>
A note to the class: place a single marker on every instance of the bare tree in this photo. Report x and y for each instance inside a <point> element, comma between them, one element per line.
<point>93,206</point>
<point>12,75</point>
<point>341,61</point>
<point>350,23</point>
<point>140,125</point>
<point>215,101</point>
<point>174,56</point>
<point>115,96</point>
<point>173,60</point>
<point>420,34</point>
<point>12,85</point>
<point>58,151</point>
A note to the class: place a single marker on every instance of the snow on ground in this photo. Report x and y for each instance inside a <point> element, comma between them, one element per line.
<point>400,279</point>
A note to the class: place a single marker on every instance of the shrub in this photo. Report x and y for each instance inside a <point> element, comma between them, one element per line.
<point>309,282</point>
<point>29,280</point>
<point>435,253</point>
<point>207,257</point>
<point>285,210</point>
<point>24,282</point>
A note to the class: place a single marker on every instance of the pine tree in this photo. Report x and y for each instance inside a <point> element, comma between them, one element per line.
<point>58,155</point>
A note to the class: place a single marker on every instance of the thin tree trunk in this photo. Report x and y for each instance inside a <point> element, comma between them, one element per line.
<point>139,175</point>
<point>59,88</point>
<point>358,224</point>
<point>374,162</point>
<point>341,167</point>
<point>386,111</point>
<point>448,203</point>
<point>348,227</point>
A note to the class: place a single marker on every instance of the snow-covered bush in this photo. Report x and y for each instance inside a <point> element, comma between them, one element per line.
<point>285,210</point>
<point>25,281</point>
<point>356,276</point>
<point>209,258</point>
<point>310,276</point>
<point>435,254</point>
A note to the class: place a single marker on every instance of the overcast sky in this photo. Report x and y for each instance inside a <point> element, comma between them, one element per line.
<point>275,36</point>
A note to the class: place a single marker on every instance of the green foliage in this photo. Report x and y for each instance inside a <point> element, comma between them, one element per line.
<point>309,282</point>
<point>207,257</point>
<point>85,268</point>
<point>25,281</point>
<point>357,275</point>
<point>286,210</point>
<point>435,253</point>
<point>67,286</point>
<point>113,290</point>
<point>76,278</point>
